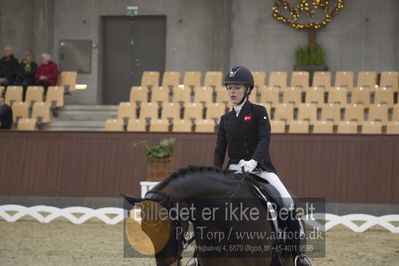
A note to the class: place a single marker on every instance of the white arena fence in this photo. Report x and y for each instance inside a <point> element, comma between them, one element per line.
<point>79,215</point>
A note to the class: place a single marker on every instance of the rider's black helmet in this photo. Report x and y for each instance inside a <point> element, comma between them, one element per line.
<point>239,75</point>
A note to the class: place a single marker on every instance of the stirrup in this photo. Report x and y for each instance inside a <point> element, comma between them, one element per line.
<point>303,256</point>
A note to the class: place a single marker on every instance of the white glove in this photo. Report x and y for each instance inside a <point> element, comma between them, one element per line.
<point>249,166</point>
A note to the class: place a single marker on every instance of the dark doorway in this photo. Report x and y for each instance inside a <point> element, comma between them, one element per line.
<point>131,45</point>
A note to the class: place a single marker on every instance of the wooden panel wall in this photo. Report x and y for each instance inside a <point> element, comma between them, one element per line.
<point>341,168</point>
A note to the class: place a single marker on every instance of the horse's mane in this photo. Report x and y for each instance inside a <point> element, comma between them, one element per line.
<point>191,169</point>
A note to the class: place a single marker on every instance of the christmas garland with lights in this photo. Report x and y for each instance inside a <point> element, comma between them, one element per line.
<point>309,9</point>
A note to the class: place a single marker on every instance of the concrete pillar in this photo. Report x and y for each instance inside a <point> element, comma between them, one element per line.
<point>16,29</point>
<point>221,35</point>
<point>43,21</point>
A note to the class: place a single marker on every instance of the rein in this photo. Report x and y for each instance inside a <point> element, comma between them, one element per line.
<point>244,176</point>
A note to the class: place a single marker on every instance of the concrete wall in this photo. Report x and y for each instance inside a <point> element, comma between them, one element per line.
<point>208,34</point>
<point>17,33</point>
<point>190,30</point>
<point>26,25</point>
<point>364,36</point>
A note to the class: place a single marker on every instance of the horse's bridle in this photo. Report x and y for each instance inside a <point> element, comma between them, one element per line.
<point>168,202</point>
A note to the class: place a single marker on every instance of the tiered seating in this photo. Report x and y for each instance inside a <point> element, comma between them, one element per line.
<point>322,79</point>
<point>193,111</point>
<point>361,95</point>
<point>55,96</point>
<point>277,126</point>
<point>344,79</point>
<point>292,95</point>
<point>298,108</point>
<point>367,79</point>
<point>138,94</point>
<point>69,80</point>
<point>284,112</point>
<point>37,105</point>
<point>205,126</point>
<point>171,111</point>
<point>13,94</point>
<point>315,95</point>
<point>158,125</point>
<point>347,127</point>
<point>384,95</point>
<point>27,124</point>
<point>307,112</point>
<point>171,80</point>
<point>299,126</point>
<point>300,80</point>
<point>372,127</point>
<point>160,94</point>
<point>213,79</point>
<point>182,126</point>
<point>354,112</point>
<point>322,127</point>
<point>270,95</point>
<point>20,110</point>
<point>215,111</point>
<point>137,125</point>
<point>41,112</point>
<point>337,95</point>
<point>33,107</point>
<point>127,111</point>
<point>393,127</point>
<point>278,79</point>
<point>114,125</point>
<point>389,80</point>
<point>34,94</point>
<point>378,112</point>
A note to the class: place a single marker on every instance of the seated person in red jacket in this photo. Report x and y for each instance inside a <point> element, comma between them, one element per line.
<point>47,73</point>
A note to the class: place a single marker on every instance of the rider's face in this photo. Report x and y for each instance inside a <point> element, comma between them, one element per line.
<point>236,92</point>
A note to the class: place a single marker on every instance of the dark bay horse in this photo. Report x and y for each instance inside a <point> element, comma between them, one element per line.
<point>230,224</point>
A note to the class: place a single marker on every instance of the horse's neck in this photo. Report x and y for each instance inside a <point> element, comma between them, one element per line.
<point>197,186</point>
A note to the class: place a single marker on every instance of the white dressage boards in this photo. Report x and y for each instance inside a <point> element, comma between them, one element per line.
<point>79,215</point>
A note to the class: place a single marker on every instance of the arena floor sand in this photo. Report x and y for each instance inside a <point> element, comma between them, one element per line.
<point>62,243</point>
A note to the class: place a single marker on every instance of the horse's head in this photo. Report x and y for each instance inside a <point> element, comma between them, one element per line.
<point>161,220</point>
<point>165,234</point>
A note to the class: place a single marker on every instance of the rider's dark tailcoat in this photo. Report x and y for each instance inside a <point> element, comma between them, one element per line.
<point>246,137</point>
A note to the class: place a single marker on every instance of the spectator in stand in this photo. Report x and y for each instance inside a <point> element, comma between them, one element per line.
<point>8,67</point>
<point>26,72</point>
<point>5,114</point>
<point>47,73</point>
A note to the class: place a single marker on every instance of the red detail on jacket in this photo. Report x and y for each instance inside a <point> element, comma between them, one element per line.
<point>49,70</point>
<point>248,117</point>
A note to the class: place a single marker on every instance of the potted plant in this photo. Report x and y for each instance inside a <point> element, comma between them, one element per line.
<point>310,58</point>
<point>159,158</point>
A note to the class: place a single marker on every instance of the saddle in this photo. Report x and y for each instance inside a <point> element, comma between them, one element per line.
<point>264,189</point>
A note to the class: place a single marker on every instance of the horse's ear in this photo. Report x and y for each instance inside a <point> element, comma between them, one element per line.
<point>130,199</point>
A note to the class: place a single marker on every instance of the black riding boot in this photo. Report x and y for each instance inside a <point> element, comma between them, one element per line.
<point>294,227</point>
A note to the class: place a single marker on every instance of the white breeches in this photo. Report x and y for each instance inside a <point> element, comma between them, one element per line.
<point>274,180</point>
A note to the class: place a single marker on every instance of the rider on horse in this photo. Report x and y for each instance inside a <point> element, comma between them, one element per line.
<point>245,132</point>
